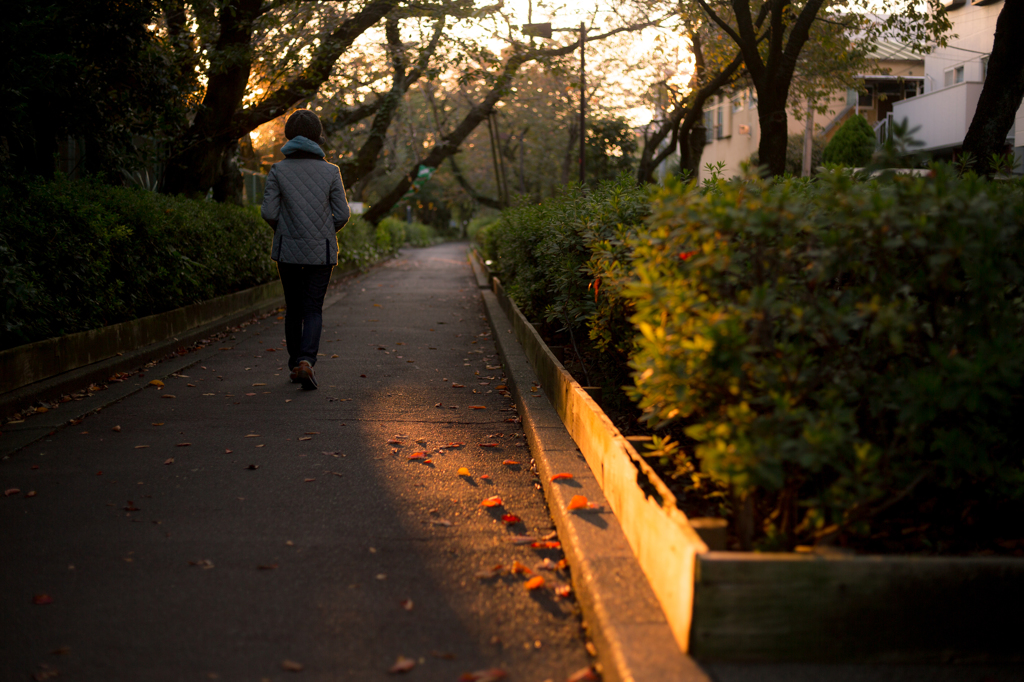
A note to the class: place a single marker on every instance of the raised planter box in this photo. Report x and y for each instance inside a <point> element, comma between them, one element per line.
<point>746,606</point>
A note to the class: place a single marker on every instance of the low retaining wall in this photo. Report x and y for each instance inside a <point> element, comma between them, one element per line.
<point>758,607</point>
<point>41,360</point>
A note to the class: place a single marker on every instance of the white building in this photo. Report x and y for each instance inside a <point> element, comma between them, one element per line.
<point>734,132</point>
<point>954,76</point>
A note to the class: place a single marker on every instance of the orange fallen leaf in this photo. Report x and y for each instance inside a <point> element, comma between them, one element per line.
<point>394,442</point>
<point>534,583</point>
<point>559,477</point>
<point>578,502</point>
<point>463,471</point>
<point>406,604</point>
<point>518,568</point>
<point>166,395</point>
<point>184,445</point>
<point>547,544</point>
<point>156,382</point>
<point>485,477</point>
<point>305,437</point>
<point>563,591</point>
<point>418,455</point>
<point>491,675</point>
<point>510,519</point>
<point>510,462</point>
<point>30,493</point>
<point>492,502</point>
<point>501,387</point>
<point>139,447</point>
<point>458,386</point>
<point>291,666</point>
<point>42,599</point>
<point>116,429</point>
<point>403,664</point>
<point>562,565</point>
<point>428,461</point>
<point>488,445</point>
<point>477,407</point>
<point>453,445</point>
<point>523,539</point>
<point>11,491</point>
<point>169,460</point>
<point>335,355</point>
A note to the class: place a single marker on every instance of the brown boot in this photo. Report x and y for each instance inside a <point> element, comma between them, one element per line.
<point>305,374</point>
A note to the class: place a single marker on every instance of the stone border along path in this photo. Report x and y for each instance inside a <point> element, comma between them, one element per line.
<point>245,529</point>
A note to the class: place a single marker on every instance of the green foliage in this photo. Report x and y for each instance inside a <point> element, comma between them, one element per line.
<point>479,225</point>
<point>398,232</point>
<point>610,150</point>
<point>81,255</point>
<point>829,345</point>
<point>852,145</point>
<point>795,154</point>
<point>564,262</point>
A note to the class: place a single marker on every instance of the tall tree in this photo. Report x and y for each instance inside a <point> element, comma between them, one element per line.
<point>771,35</point>
<point>1002,93</point>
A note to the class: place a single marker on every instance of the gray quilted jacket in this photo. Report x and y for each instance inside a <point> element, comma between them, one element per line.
<point>304,200</point>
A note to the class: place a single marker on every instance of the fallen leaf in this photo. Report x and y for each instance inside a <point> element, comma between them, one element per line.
<point>485,477</point>
<point>305,437</point>
<point>42,599</point>
<point>253,435</point>
<point>491,675</point>
<point>406,604</point>
<point>559,477</point>
<point>458,386</point>
<point>518,568</point>
<point>563,591</point>
<point>259,384</point>
<point>418,455</point>
<point>167,396</point>
<point>394,442</point>
<point>547,544</point>
<point>463,471</point>
<point>30,493</point>
<point>335,355</point>
<point>291,666</point>
<point>477,407</point>
<point>228,452</point>
<point>510,519</point>
<point>510,462</point>
<point>184,445</point>
<point>253,466</point>
<point>578,502</point>
<point>250,394</point>
<point>267,567</point>
<point>156,382</point>
<point>492,502</point>
<point>442,522</point>
<point>131,507</point>
<point>11,491</point>
<point>488,445</point>
<point>522,539</point>
<point>534,583</point>
<point>169,460</point>
<point>116,429</point>
<point>453,445</point>
<point>310,480</point>
<point>562,565</point>
<point>403,664</point>
<point>583,675</point>
<point>157,424</point>
<point>139,447</point>
<point>501,387</point>
<point>205,564</point>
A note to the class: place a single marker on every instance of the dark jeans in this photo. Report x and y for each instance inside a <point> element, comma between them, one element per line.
<point>304,289</point>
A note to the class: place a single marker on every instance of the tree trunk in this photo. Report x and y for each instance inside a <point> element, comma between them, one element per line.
<point>691,148</point>
<point>1002,93</point>
<point>771,112</point>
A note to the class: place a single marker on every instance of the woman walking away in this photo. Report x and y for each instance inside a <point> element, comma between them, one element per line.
<point>304,201</point>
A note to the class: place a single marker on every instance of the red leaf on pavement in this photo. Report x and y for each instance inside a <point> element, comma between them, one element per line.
<point>477,407</point>
<point>402,665</point>
<point>547,544</point>
<point>42,599</point>
<point>519,568</point>
<point>418,455</point>
<point>485,477</point>
<point>511,518</point>
<point>583,675</point>
<point>534,583</point>
<point>488,445</point>
<point>453,445</point>
<point>458,386</point>
<point>11,491</point>
<point>579,502</point>
<point>492,502</point>
<point>510,462</point>
<point>559,477</point>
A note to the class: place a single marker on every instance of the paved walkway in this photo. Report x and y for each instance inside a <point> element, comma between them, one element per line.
<point>231,526</point>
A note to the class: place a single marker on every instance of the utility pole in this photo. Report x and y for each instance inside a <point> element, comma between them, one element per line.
<point>583,103</point>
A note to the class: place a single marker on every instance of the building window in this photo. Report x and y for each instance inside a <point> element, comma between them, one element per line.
<point>737,104</point>
<point>866,98</point>
<point>954,76</point>
<point>719,123</point>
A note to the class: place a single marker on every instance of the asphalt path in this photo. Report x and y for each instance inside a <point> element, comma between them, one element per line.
<point>230,526</point>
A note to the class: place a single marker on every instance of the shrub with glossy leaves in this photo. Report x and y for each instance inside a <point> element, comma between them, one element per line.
<point>831,345</point>
<point>852,145</point>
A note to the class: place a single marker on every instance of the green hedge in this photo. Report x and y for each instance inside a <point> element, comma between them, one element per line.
<point>835,348</point>
<point>77,255</point>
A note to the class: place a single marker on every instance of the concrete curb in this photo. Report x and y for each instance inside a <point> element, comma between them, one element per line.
<point>633,638</point>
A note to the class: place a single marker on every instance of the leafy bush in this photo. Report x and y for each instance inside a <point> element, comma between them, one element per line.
<point>478,226</point>
<point>81,255</point>
<point>836,349</point>
<point>77,255</point>
<point>563,262</point>
<point>852,145</point>
<point>400,232</point>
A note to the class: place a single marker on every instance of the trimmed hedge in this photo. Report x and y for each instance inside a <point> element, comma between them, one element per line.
<point>77,255</point>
